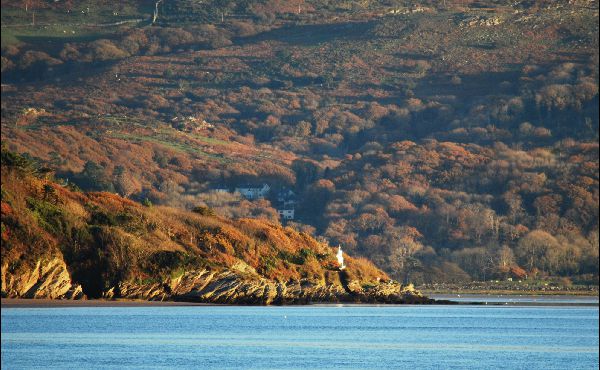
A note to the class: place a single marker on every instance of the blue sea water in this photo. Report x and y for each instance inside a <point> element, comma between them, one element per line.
<point>315,337</point>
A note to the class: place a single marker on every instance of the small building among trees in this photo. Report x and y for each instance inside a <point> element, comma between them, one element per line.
<point>252,192</point>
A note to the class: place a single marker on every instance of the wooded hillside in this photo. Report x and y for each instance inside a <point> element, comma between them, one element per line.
<point>446,141</point>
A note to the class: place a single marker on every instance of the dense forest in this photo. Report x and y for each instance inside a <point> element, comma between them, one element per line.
<point>443,140</point>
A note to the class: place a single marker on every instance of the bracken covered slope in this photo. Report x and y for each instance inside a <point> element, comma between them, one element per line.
<point>59,243</point>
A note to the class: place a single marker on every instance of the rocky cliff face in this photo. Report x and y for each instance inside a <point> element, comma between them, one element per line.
<point>234,287</point>
<point>49,278</point>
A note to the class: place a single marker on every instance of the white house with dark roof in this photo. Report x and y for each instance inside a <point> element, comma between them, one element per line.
<point>253,192</point>
<point>286,214</point>
<point>219,189</point>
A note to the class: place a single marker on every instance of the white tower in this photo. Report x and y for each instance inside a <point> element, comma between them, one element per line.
<point>340,258</point>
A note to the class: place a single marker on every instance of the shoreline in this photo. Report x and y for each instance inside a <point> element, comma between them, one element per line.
<point>476,299</point>
<point>47,303</point>
<point>507,292</point>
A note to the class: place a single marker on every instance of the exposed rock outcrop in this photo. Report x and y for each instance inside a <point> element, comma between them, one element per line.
<point>47,279</point>
<point>241,285</point>
<point>235,287</point>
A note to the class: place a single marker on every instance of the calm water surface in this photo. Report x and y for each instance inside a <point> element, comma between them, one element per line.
<point>414,337</point>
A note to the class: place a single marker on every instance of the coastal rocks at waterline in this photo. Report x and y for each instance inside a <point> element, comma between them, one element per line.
<point>49,278</point>
<point>239,284</point>
<point>235,287</point>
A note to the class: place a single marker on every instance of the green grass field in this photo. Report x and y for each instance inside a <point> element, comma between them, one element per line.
<point>81,24</point>
<point>52,34</point>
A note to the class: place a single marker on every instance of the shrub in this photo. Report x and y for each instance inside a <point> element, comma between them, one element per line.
<point>102,218</point>
<point>21,163</point>
<point>168,73</point>
<point>7,64</point>
<point>306,253</point>
<point>204,211</point>
<point>34,58</point>
<point>103,50</point>
<point>268,263</point>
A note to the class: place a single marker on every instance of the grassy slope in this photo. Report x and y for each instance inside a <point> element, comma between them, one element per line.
<point>56,23</point>
<point>106,239</point>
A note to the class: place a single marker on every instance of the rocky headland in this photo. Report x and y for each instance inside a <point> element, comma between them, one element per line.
<point>60,243</point>
<point>51,280</point>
